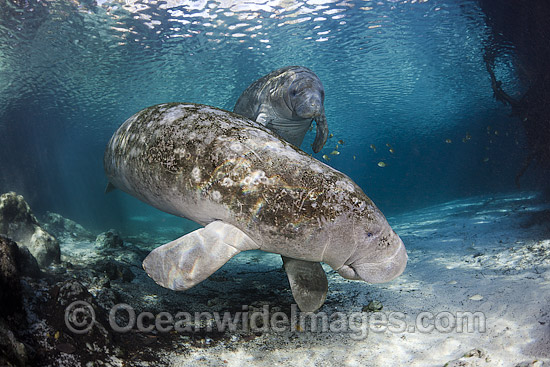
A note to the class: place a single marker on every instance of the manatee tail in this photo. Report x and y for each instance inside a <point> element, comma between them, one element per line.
<point>322,132</point>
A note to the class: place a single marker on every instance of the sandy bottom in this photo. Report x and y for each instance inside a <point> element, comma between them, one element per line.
<point>476,292</point>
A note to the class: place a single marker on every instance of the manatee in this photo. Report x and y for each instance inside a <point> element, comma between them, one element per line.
<point>286,101</point>
<point>250,189</point>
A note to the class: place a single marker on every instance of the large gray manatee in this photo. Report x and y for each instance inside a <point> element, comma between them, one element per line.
<point>287,100</point>
<point>250,190</point>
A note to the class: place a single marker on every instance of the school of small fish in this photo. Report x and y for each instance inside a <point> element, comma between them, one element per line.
<point>382,163</point>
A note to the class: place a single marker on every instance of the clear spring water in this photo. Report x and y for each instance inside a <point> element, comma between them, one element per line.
<point>402,74</point>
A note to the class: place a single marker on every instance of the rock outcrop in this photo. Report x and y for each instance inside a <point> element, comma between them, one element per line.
<point>10,287</point>
<point>12,351</point>
<point>109,240</point>
<point>64,228</point>
<point>19,223</point>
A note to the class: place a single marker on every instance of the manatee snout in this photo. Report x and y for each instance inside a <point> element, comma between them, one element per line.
<point>309,106</point>
<point>381,269</point>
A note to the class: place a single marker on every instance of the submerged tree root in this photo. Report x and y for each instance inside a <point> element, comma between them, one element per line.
<point>534,111</point>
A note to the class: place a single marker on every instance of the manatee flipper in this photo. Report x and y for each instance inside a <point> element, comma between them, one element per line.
<point>110,187</point>
<point>321,133</point>
<point>263,118</point>
<point>308,282</point>
<point>187,261</point>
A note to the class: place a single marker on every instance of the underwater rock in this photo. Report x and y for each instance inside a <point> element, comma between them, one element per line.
<point>74,296</point>
<point>12,315</point>
<point>12,351</point>
<point>72,290</point>
<point>373,306</point>
<point>476,297</point>
<point>107,298</point>
<point>127,275</point>
<point>109,239</point>
<point>14,210</point>
<point>115,270</point>
<point>44,247</point>
<point>25,263</point>
<point>19,223</point>
<point>10,286</point>
<point>473,358</point>
<point>66,348</point>
<point>62,227</point>
<point>530,364</point>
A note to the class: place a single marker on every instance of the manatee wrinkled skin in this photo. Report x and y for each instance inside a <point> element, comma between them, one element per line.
<point>286,101</point>
<point>251,190</point>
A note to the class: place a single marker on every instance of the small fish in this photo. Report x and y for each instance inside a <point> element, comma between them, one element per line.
<point>464,140</point>
<point>486,159</point>
<point>496,132</point>
<point>57,335</point>
<point>353,157</point>
<point>337,146</point>
<point>341,142</point>
<point>391,151</point>
<point>468,136</point>
<point>373,147</point>
<point>331,135</point>
<point>448,141</point>
<point>381,164</point>
<point>325,157</point>
<point>388,145</point>
<point>335,152</point>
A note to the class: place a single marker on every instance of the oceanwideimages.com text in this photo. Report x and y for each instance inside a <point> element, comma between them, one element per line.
<point>80,319</point>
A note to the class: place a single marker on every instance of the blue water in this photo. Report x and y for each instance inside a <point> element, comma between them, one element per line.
<point>405,73</point>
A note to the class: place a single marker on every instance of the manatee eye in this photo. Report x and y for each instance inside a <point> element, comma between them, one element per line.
<point>369,234</point>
